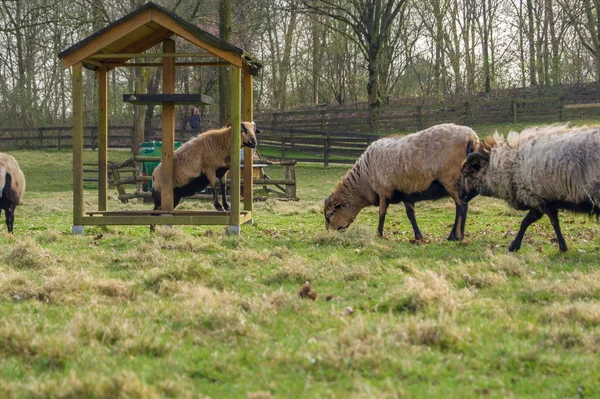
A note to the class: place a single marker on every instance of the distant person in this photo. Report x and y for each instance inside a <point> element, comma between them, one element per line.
<point>194,120</point>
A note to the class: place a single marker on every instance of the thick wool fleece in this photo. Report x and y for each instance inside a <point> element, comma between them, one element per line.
<point>408,164</point>
<point>546,164</point>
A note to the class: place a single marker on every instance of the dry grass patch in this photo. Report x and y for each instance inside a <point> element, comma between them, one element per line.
<point>295,269</point>
<point>114,288</point>
<point>192,270</point>
<point>423,290</point>
<point>485,279</point>
<point>123,384</point>
<point>27,254</point>
<point>357,236</point>
<point>337,269</point>
<point>584,313</point>
<point>569,286</point>
<point>437,333</point>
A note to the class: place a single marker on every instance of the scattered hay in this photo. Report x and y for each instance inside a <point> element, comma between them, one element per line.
<point>190,270</point>
<point>27,254</point>
<point>485,279</point>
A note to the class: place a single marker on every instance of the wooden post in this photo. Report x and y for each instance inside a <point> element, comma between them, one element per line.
<point>59,145</point>
<point>290,174</point>
<point>236,120</point>
<point>77,148</point>
<point>514,111</point>
<point>41,136</point>
<point>248,159</point>
<point>419,117</point>
<point>326,152</point>
<point>168,128</point>
<point>102,138</point>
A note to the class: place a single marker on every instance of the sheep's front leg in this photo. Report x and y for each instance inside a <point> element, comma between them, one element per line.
<point>410,213</point>
<point>383,206</point>
<point>458,230</point>
<point>224,193</point>
<point>531,217</point>
<point>553,215</point>
<point>212,180</point>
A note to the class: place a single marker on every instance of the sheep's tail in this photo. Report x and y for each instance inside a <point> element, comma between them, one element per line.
<point>2,179</point>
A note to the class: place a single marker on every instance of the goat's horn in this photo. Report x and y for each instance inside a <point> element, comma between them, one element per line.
<point>477,155</point>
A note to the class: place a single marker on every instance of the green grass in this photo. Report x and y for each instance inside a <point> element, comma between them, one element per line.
<point>192,312</point>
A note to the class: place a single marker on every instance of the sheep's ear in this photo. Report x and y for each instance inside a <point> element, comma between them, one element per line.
<point>470,148</point>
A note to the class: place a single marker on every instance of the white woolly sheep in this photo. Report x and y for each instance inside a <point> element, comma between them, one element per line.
<point>12,187</point>
<point>416,167</point>
<point>541,170</point>
<point>202,161</point>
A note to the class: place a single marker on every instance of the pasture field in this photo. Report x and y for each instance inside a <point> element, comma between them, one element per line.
<point>192,312</point>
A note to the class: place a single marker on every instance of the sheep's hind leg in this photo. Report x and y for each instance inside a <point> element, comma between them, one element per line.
<point>531,217</point>
<point>553,215</point>
<point>410,213</point>
<point>224,193</point>
<point>10,218</point>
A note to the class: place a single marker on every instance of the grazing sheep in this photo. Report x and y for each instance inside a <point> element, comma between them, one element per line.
<point>541,170</point>
<point>200,162</point>
<point>12,187</point>
<point>417,167</point>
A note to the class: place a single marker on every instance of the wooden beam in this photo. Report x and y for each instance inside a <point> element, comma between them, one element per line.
<point>144,44</point>
<point>236,120</point>
<point>174,219</point>
<point>159,64</point>
<point>77,148</point>
<point>160,99</point>
<point>248,153</point>
<point>99,42</point>
<point>167,22</point>
<point>147,55</point>
<point>168,128</point>
<point>102,138</point>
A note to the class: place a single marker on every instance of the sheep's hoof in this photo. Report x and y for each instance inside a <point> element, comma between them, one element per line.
<point>218,207</point>
<point>513,248</point>
<point>227,208</point>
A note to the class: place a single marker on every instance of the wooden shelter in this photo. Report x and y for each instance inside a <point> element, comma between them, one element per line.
<point>113,47</point>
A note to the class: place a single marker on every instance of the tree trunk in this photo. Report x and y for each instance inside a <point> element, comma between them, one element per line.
<point>530,37</point>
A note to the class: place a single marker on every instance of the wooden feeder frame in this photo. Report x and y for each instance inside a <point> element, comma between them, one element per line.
<point>112,47</point>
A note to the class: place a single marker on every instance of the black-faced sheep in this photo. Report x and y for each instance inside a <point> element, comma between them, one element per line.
<point>541,170</point>
<point>202,161</point>
<point>12,187</point>
<point>416,167</point>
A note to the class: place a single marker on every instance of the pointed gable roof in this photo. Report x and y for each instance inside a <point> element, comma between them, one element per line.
<point>145,27</point>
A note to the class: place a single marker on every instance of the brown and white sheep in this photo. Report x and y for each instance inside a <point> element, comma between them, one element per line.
<point>416,167</point>
<point>202,161</point>
<point>541,170</point>
<point>12,187</point>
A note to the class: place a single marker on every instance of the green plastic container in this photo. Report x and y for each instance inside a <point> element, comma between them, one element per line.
<point>151,148</point>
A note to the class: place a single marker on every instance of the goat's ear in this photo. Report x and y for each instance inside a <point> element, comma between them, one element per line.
<point>256,131</point>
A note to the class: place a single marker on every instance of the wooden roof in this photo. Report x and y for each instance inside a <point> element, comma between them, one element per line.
<point>145,27</point>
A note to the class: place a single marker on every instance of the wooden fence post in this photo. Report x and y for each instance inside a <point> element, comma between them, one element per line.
<point>322,121</point>
<point>59,139</point>
<point>290,174</point>
<point>514,111</point>
<point>326,151</point>
<point>419,117</point>
<point>561,108</point>
<point>282,146</point>
<point>41,136</point>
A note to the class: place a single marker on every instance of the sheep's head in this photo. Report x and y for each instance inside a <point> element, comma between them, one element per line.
<point>249,132</point>
<point>473,171</point>
<point>339,214</point>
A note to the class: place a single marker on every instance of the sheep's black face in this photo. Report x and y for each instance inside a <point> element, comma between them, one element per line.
<point>472,171</point>
<point>249,132</point>
<point>337,215</point>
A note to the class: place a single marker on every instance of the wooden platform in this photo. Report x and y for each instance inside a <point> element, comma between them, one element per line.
<point>159,99</point>
<point>175,217</point>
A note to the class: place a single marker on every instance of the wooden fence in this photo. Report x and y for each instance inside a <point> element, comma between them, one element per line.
<point>60,137</point>
<point>410,119</point>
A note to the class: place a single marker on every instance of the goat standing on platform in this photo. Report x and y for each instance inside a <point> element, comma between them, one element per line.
<point>202,161</point>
